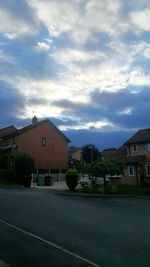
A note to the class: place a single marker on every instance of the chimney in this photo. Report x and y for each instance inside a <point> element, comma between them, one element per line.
<point>34,120</point>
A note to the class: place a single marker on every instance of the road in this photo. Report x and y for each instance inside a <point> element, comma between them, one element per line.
<point>37,226</point>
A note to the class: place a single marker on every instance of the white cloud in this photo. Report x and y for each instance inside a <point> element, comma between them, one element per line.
<point>77,56</point>
<point>42,46</point>
<point>57,17</point>
<point>108,68</point>
<point>81,24</point>
<point>96,125</point>
<point>141,19</point>
<point>138,78</point>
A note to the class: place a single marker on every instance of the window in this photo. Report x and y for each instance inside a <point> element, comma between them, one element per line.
<point>131,170</point>
<point>134,148</point>
<point>43,141</point>
<point>11,162</point>
<point>148,170</point>
<point>6,142</point>
<point>148,147</point>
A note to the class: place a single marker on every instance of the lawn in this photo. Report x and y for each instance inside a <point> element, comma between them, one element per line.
<point>132,190</point>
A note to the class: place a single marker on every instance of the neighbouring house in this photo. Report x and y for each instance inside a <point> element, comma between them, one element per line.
<point>75,157</point>
<point>42,140</point>
<point>113,153</point>
<point>135,154</point>
<point>138,156</point>
<point>108,153</point>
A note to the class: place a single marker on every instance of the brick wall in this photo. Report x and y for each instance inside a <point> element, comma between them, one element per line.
<point>52,156</point>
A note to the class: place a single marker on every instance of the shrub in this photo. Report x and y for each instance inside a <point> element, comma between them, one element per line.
<point>147,191</point>
<point>111,189</point>
<point>146,183</point>
<point>24,167</point>
<point>72,179</point>
<point>100,190</point>
<point>89,189</point>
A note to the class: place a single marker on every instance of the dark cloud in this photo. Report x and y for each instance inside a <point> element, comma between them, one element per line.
<point>11,103</point>
<point>64,121</point>
<point>57,121</point>
<point>80,109</point>
<point>117,104</point>
<point>37,65</point>
<point>102,140</point>
<point>124,108</point>
<point>37,101</point>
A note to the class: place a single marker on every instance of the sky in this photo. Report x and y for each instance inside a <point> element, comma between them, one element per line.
<point>84,64</point>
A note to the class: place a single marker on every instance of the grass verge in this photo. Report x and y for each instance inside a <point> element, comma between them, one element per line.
<point>134,190</point>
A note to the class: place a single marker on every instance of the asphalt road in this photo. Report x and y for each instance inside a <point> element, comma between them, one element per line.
<point>106,231</point>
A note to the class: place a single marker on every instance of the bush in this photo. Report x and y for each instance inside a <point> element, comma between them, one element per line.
<point>100,190</point>
<point>89,189</point>
<point>24,167</point>
<point>146,183</point>
<point>72,179</point>
<point>111,189</point>
<point>147,191</point>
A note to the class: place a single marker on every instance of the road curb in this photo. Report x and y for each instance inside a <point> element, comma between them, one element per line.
<point>98,195</point>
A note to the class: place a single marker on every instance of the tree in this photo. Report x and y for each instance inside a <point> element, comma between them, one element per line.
<point>106,167</point>
<point>85,168</point>
<point>90,153</point>
<point>24,166</point>
<point>72,179</point>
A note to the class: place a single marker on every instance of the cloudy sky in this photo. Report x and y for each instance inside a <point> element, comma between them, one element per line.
<point>85,64</point>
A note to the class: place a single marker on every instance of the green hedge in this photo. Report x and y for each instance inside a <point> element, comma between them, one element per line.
<point>72,179</point>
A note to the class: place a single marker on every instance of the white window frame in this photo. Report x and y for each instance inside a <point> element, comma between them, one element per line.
<point>131,166</point>
<point>148,165</point>
<point>148,146</point>
<point>43,141</point>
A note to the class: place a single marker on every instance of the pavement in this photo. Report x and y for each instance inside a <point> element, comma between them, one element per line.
<point>61,188</point>
<point>60,185</point>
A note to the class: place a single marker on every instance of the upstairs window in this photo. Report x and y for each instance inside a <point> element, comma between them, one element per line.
<point>43,141</point>
<point>131,170</point>
<point>6,142</point>
<point>134,148</point>
<point>148,146</point>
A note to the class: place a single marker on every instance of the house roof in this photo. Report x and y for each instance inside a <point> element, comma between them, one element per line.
<point>32,126</point>
<point>7,130</point>
<point>108,153</point>
<point>119,153</point>
<point>142,136</point>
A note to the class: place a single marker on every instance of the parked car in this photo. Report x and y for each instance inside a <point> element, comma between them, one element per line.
<point>99,181</point>
<point>115,176</point>
<point>85,180</point>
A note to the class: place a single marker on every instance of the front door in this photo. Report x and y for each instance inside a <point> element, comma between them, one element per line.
<point>141,173</point>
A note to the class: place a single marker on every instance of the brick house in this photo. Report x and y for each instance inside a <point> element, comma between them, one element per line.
<point>75,157</point>
<point>42,140</point>
<point>138,156</point>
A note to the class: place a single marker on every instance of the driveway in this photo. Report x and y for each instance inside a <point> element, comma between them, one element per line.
<point>42,229</point>
<point>60,185</point>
